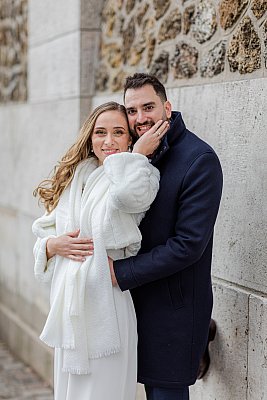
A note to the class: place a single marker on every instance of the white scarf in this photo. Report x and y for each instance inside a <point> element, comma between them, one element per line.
<point>93,332</point>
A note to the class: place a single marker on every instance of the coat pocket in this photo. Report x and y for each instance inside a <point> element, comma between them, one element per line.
<point>174,285</point>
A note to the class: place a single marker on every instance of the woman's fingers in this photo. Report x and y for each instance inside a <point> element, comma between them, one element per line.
<point>162,129</point>
<point>76,258</point>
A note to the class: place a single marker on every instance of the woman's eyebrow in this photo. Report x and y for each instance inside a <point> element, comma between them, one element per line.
<point>114,127</point>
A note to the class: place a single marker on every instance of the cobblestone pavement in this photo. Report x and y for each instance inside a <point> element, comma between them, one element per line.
<point>19,382</point>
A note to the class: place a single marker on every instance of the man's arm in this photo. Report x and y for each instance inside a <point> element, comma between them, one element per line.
<point>197,212</point>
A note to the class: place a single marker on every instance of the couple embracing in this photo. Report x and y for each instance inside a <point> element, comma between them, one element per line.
<point>126,244</point>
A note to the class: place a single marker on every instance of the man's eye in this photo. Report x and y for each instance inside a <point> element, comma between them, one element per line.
<point>149,108</point>
<point>131,112</point>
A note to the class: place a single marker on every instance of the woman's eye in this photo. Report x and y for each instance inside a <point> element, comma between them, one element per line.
<point>118,133</point>
<point>100,133</point>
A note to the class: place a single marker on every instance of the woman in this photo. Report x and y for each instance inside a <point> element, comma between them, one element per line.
<point>99,190</point>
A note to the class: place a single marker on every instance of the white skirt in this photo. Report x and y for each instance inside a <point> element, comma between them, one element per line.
<point>113,377</point>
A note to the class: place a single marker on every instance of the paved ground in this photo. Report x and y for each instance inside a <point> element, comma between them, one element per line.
<point>19,382</point>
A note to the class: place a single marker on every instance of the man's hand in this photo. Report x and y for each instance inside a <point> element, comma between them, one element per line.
<point>70,246</point>
<point>112,274</point>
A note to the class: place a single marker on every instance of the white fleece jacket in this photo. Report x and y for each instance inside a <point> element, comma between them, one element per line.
<point>106,203</point>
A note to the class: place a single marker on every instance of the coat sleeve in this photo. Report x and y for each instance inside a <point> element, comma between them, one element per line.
<point>134,182</point>
<point>44,228</point>
<point>198,207</point>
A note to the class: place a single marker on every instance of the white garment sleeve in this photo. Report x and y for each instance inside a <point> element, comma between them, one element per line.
<point>43,268</point>
<point>44,228</point>
<point>134,181</point>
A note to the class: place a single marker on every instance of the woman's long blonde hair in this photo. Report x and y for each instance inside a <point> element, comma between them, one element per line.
<point>50,190</point>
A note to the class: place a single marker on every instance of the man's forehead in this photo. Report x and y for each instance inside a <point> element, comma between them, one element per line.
<point>140,96</point>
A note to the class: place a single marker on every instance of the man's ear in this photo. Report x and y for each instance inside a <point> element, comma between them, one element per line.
<point>168,108</point>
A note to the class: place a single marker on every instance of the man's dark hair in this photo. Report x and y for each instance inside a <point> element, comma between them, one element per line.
<point>139,80</point>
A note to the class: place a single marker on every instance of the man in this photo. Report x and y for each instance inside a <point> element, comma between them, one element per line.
<point>170,278</point>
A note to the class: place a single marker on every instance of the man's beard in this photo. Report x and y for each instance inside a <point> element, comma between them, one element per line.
<point>150,122</point>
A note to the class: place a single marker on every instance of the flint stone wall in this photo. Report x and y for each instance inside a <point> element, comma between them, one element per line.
<point>13,50</point>
<point>182,42</point>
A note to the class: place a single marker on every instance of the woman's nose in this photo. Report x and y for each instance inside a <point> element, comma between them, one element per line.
<point>109,139</point>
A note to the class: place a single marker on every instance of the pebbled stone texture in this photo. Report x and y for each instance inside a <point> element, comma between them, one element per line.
<point>151,43</point>
<point>13,50</point>
<point>259,7</point>
<point>161,6</point>
<point>230,11</point>
<point>214,62</point>
<point>128,39</point>
<point>130,6</point>
<point>244,53</point>
<point>188,18</point>
<point>118,81</point>
<point>184,61</point>
<point>171,26</point>
<point>141,12</point>
<point>102,78</point>
<point>160,67</point>
<point>265,43</point>
<point>205,24</point>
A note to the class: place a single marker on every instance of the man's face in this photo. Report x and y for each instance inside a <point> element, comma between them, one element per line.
<point>145,108</point>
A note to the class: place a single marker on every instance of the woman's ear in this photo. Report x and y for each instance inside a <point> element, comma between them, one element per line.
<point>168,108</point>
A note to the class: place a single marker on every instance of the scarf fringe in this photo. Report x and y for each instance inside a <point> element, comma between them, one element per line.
<point>92,356</point>
<point>105,353</point>
<point>76,371</point>
<point>57,345</point>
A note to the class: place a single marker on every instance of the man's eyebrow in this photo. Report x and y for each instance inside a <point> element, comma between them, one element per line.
<point>151,103</point>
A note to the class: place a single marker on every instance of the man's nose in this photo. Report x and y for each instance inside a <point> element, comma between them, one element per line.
<point>141,118</point>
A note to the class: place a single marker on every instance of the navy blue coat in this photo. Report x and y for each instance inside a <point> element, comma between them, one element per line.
<point>170,278</point>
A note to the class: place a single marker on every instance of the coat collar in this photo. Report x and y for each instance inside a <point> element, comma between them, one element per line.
<point>173,134</point>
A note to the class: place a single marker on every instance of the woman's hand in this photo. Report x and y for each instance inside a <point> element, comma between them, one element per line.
<point>70,246</point>
<point>150,140</point>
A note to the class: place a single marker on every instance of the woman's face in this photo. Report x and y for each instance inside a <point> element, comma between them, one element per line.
<point>110,135</point>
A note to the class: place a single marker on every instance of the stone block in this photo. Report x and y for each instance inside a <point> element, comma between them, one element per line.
<point>184,61</point>
<point>244,52</point>
<point>223,115</point>
<point>230,11</point>
<point>91,13</point>
<point>54,69</point>
<point>257,349</point>
<point>25,344</point>
<point>205,23</point>
<point>34,138</point>
<point>88,62</point>
<point>50,19</point>
<point>227,376</point>
<point>160,67</point>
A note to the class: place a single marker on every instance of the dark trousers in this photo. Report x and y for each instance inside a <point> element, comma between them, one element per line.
<point>154,393</point>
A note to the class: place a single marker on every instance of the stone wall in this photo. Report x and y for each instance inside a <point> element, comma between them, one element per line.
<point>13,50</point>
<point>61,57</point>
<point>182,42</point>
<point>224,106</point>
<point>212,57</point>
